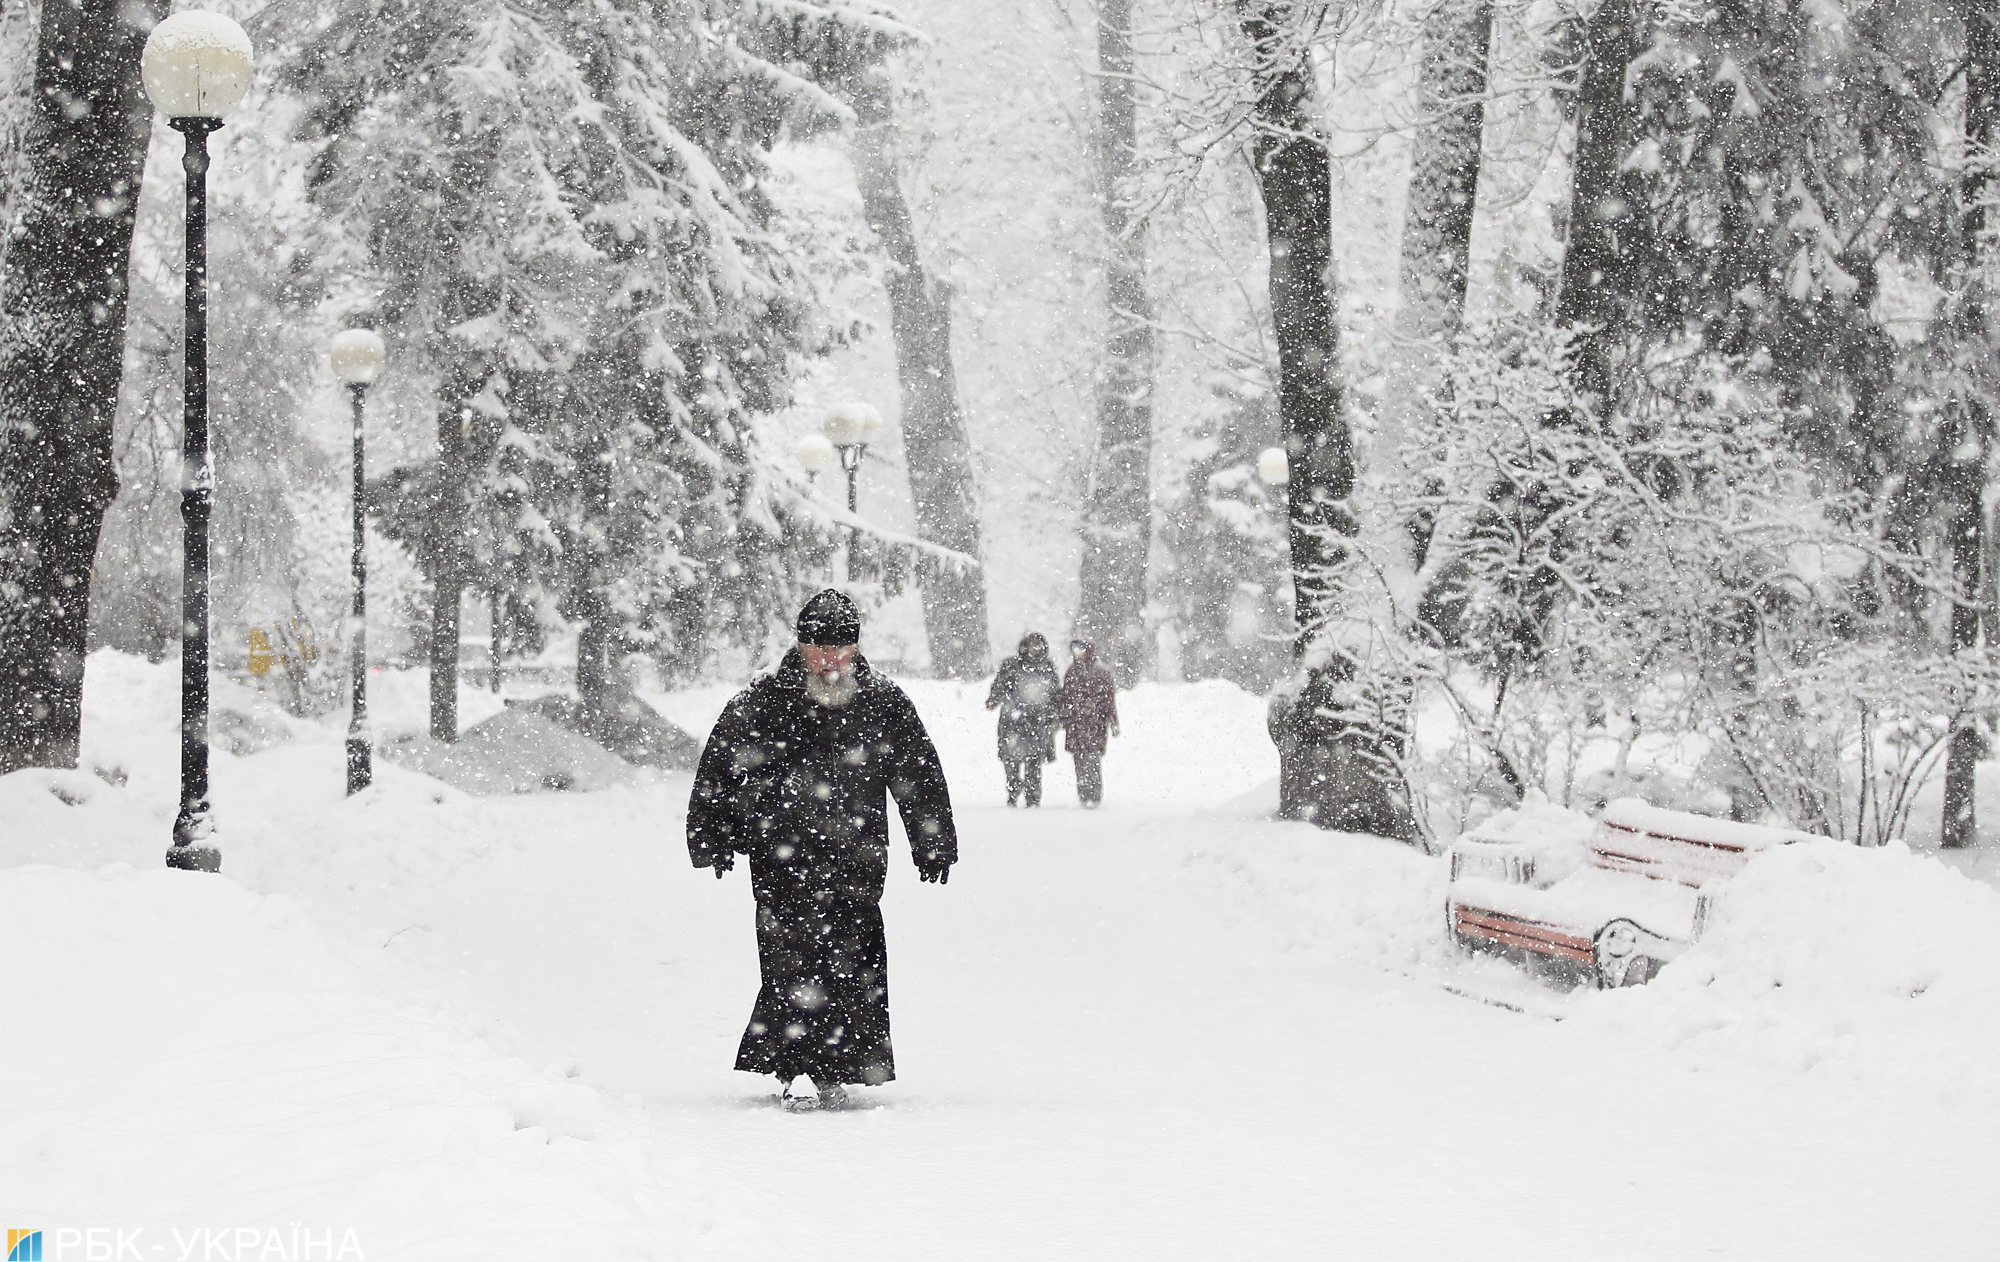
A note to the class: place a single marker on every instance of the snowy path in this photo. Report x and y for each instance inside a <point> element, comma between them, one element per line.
<point>1170,1029</point>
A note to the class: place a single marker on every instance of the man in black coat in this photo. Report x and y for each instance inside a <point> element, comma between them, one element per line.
<point>1024,691</point>
<point>797,775</point>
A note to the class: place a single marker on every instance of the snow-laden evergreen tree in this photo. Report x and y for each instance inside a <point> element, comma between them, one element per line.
<point>558,212</point>
<point>1753,177</point>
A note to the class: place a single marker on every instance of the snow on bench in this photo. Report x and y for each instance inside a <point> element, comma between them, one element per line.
<point>1676,846</point>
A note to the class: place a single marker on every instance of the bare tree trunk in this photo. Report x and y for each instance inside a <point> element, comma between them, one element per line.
<point>445,552</point>
<point>1437,222</point>
<point>935,447</point>
<point>1602,197</point>
<point>1965,530</point>
<point>1118,524</point>
<point>1965,533</point>
<point>595,672</point>
<point>1329,765</point>
<point>62,352</point>
<point>596,697</point>
<point>1444,170</point>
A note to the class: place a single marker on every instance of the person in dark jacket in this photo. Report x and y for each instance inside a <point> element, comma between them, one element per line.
<point>1088,707</point>
<point>1024,691</point>
<point>797,775</point>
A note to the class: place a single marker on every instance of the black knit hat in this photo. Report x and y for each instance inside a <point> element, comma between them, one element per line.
<point>830,620</point>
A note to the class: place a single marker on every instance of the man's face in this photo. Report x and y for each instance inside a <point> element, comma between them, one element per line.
<point>829,661</point>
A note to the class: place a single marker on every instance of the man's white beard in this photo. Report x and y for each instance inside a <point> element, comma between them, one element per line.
<point>835,691</point>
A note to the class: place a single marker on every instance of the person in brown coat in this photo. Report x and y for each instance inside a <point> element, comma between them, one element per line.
<point>1088,705</point>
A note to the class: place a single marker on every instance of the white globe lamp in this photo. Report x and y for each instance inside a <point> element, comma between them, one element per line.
<point>852,425</point>
<point>1273,468</point>
<point>815,454</point>
<point>196,65</point>
<point>357,356</point>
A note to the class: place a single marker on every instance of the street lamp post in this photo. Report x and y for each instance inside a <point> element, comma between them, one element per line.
<point>494,607</point>
<point>357,356</point>
<point>850,428</point>
<point>196,67</point>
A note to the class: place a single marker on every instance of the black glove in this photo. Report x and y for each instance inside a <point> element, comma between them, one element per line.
<point>935,870</point>
<point>722,863</point>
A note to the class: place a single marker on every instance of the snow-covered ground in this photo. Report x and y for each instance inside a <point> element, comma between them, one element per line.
<point>500,1027</point>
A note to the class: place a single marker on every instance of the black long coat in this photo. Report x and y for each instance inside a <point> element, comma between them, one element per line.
<point>803,791</point>
<point>1024,692</point>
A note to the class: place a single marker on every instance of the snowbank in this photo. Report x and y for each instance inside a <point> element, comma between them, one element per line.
<point>192,1054</point>
<point>516,751</point>
<point>1824,959</point>
<point>1869,967</point>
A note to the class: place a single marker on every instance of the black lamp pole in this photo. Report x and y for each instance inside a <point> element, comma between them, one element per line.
<point>850,461</point>
<point>360,762</point>
<point>194,827</point>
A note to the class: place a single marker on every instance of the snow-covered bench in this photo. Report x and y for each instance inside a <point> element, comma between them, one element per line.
<point>1607,903</point>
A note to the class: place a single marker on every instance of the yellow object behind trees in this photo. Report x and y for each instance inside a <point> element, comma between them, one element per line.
<point>261,657</point>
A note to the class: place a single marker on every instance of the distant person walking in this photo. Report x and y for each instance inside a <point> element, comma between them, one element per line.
<point>1088,707</point>
<point>1024,692</point>
<point>797,775</point>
